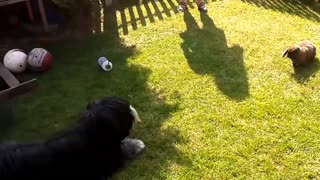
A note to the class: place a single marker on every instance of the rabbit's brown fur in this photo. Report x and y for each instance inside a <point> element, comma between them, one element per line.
<point>301,54</point>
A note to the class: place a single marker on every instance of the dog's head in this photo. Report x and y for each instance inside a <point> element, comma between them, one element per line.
<point>111,118</point>
<point>291,52</point>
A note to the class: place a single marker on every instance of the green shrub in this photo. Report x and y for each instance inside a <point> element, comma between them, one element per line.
<point>71,3</point>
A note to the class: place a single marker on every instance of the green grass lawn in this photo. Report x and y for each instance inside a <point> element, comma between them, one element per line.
<point>216,98</point>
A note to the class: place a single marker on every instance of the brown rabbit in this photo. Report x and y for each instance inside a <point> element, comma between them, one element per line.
<point>301,54</point>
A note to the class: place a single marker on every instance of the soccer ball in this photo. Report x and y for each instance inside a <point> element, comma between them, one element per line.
<point>39,59</point>
<point>15,60</point>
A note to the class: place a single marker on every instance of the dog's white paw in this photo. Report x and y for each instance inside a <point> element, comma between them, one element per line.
<point>133,146</point>
<point>139,145</point>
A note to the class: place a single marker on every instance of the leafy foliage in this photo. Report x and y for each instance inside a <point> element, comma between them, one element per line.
<point>70,3</point>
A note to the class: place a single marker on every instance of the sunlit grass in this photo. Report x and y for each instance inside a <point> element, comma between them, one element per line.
<point>216,98</point>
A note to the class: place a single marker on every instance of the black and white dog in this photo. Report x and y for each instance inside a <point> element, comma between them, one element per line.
<point>95,149</point>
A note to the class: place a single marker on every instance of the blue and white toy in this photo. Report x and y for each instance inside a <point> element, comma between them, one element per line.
<point>105,64</point>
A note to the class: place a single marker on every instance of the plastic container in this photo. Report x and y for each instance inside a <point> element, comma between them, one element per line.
<point>105,64</point>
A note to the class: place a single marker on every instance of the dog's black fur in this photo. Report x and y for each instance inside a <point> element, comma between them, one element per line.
<point>95,149</point>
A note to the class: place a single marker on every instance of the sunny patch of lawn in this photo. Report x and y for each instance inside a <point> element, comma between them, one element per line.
<point>216,98</point>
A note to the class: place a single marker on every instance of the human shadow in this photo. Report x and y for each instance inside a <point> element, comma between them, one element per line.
<point>306,9</point>
<point>76,79</point>
<point>304,74</point>
<point>207,52</point>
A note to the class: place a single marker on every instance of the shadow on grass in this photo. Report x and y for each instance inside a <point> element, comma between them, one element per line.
<point>305,8</point>
<point>161,150</point>
<point>133,14</point>
<point>76,79</point>
<point>207,52</point>
<point>304,74</point>
<point>6,117</point>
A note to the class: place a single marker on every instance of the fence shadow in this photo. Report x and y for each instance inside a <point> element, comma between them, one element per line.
<point>306,8</point>
<point>130,15</point>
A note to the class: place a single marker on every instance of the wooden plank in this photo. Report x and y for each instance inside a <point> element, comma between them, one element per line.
<point>21,88</point>
<point>8,77</point>
<point>30,12</point>
<point>8,2</point>
<point>43,16</point>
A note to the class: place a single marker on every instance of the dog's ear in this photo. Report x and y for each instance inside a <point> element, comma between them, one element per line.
<point>291,51</point>
<point>89,105</point>
<point>89,115</point>
<point>86,116</point>
<point>106,123</point>
<point>98,125</point>
<point>110,118</point>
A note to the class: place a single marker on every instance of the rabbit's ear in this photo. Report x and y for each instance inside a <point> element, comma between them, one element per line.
<point>285,53</point>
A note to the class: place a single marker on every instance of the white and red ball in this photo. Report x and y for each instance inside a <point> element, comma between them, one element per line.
<point>15,60</point>
<point>39,59</point>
